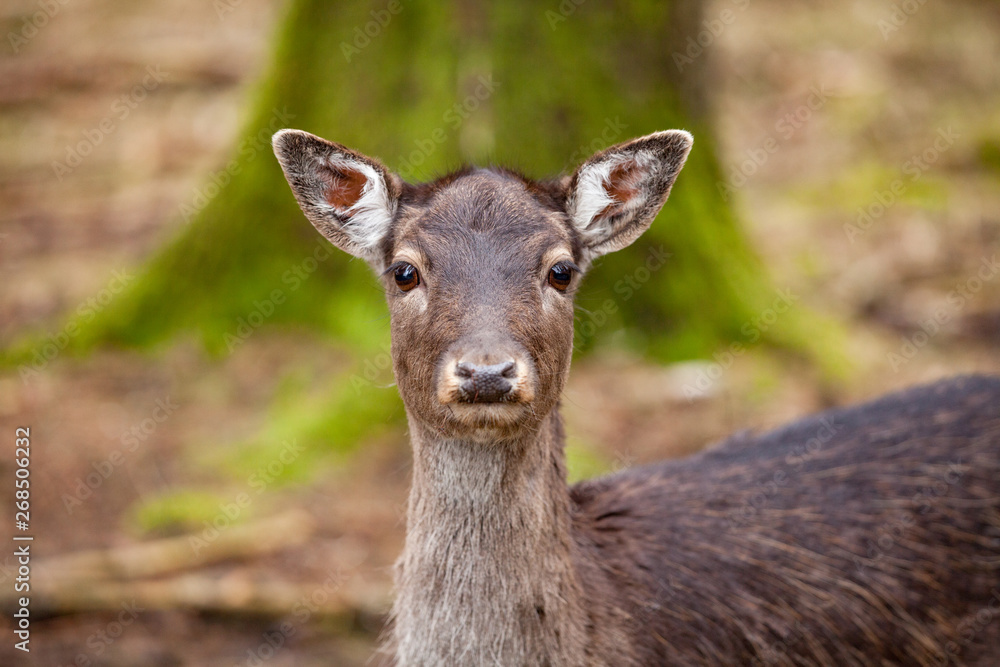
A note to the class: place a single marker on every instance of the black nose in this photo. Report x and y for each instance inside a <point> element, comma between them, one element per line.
<point>485,384</point>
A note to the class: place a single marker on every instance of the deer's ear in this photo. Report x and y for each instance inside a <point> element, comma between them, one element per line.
<point>350,198</point>
<point>614,196</point>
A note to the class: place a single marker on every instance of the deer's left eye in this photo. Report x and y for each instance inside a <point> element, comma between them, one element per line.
<point>560,276</point>
<point>406,276</point>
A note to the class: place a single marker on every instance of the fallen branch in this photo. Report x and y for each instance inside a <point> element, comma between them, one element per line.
<point>137,575</point>
<point>158,557</point>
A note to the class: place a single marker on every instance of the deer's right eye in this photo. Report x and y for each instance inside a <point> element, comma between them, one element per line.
<point>561,275</point>
<point>406,277</point>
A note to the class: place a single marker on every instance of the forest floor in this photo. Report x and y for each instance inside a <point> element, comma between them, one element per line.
<point>864,158</point>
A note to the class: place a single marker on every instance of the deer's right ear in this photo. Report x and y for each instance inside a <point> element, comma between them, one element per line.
<point>349,197</point>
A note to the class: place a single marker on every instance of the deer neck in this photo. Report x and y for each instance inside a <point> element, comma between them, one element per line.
<point>486,576</point>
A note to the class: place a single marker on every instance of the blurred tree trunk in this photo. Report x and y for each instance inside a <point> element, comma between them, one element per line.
<point>592,75</point>
<point>425,86</point>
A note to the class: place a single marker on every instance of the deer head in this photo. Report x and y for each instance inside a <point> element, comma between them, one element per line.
<point>480,267</point>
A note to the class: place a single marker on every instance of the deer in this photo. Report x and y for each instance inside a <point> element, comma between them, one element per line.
<point>864,535</point>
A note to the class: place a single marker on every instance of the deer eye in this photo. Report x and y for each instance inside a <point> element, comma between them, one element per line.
<point>560,276</point>
<point>406,276</point>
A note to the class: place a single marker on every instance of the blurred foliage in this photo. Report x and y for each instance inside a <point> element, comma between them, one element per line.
<point>585,460</point>
<point>305,431</point>
<point>989,153</point>
<point>426,87</point>
<point>305,434</point>
<point>179,510</point>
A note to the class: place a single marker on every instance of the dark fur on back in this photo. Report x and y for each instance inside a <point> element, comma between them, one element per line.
<point>860,532</point>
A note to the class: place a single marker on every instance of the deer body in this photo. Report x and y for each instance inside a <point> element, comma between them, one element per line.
<point>864,535</point>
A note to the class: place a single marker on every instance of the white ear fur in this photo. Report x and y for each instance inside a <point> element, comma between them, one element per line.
<point>614,196</point>
<point>592,195</point>
<point>350,198</point>
<point>368,220</point>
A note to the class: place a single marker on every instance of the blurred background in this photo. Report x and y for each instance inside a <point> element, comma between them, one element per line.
<point>219,457</point>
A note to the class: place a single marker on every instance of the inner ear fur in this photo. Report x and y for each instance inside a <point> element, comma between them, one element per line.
<point>349,197</point>
<point>613,197</point>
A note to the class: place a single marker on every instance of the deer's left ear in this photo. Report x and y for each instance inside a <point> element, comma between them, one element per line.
<point>614,196</point>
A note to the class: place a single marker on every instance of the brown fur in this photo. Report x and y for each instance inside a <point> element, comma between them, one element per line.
<point>868,535</point>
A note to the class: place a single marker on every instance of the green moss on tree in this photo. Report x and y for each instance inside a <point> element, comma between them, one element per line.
<point>605,74</point>
<point>528,84</point>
